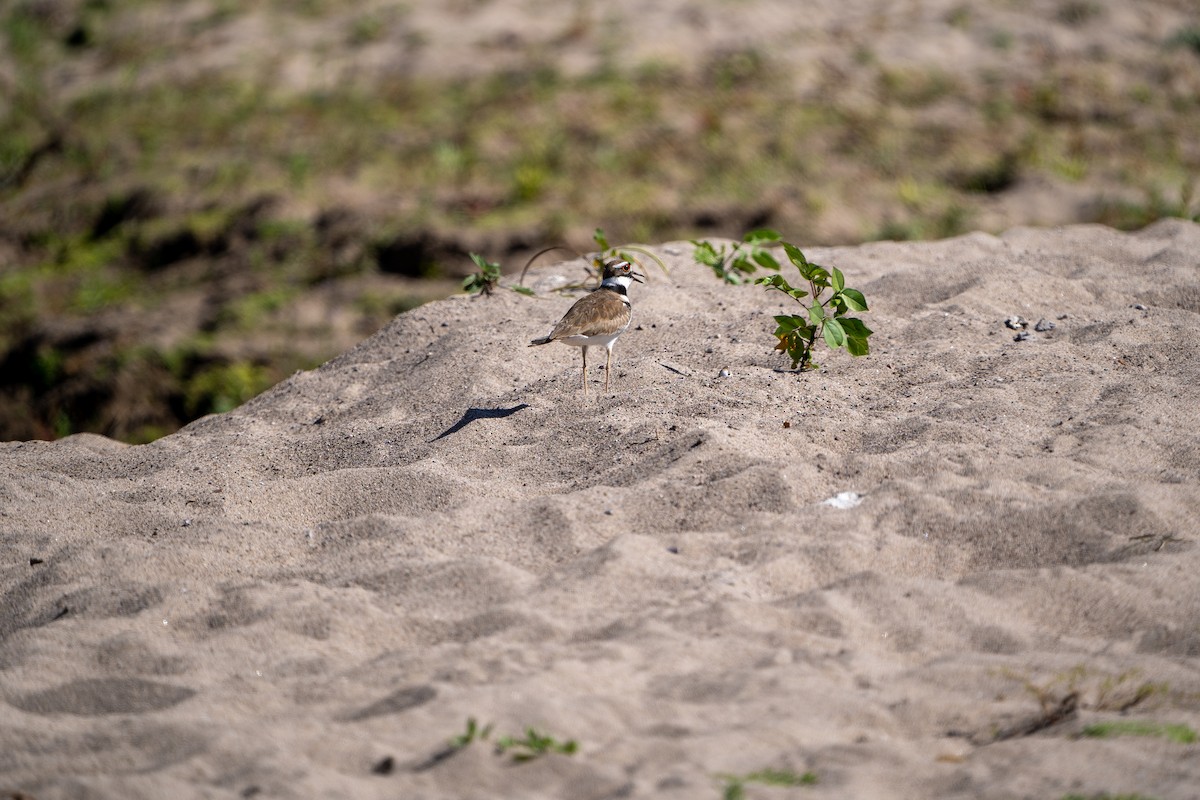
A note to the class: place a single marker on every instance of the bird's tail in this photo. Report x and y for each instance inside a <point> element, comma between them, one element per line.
<point>543,340</point>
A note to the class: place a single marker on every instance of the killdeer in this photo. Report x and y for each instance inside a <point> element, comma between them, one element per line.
<point>599,317</point>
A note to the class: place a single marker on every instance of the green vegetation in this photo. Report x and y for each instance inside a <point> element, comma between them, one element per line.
<point>487,278</point>
<point>137,186</point>
<point>826,316</point>
<point>533,744</point>
<point>1099,691</point>
<point>735,785</point>
<point>1180,734</point>
<point>733,264</point>
<point>471,734</point>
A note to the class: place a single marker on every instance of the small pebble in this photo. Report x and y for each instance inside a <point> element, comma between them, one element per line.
<point>1139,307</point>
<point>1022,336</point>
<point>1044,325</point>
<point>724,373</point>
<point>1016,323</point>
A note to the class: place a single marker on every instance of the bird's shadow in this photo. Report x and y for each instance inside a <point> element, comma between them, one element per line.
<point>472,414</point>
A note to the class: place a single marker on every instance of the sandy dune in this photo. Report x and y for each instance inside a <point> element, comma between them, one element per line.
<point>307,597</point>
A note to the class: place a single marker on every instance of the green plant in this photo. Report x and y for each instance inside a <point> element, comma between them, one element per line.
<point>1187,37</point>
<point>1180,734</point>
<point>472,733</point>
<point>733,264</point>
<point>487,278</point>
<point>735,785</point>
<point>484,281</point>
<point>826,317</point>
<point>534,745</point>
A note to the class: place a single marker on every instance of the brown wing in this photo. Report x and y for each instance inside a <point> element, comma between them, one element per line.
<point>596,314</point>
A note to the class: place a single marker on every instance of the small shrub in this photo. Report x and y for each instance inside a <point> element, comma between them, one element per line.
<point>487,278</point>
<point>823,317</point>
<point>733,264</point>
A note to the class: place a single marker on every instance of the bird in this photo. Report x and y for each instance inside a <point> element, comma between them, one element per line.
<point>599,317</point>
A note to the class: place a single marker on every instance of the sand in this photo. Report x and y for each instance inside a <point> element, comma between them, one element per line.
<point>310,595</point>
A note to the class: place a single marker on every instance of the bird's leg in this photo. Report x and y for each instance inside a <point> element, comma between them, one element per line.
<point>585,371</point>
<point>607,369</point>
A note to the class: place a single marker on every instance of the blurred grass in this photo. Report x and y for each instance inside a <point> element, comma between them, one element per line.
<point>197,212</point>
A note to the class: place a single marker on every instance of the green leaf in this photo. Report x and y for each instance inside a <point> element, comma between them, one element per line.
<point>601,239</point>
<point>839,280</point>
<point>834,335</point>
<point>854,299</point>
<point>766,260</point>
<point>525,290</point>
<point>795,256</point>
<point>706,254</point>
<point>816,312</point>
<point>855,327</point>
<point>762,236</point>
<point>856,336</point>
<point>788,323</point>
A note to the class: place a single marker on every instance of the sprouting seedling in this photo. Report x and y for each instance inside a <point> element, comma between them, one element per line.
<point>472,733</point>
<point>534,745</point>
<point>733,264</point>
<point>823,317</point>
<point>487,278</point>
<point>735,785</point>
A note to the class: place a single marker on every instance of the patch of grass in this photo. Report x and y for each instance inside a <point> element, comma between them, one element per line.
<point>1130,215</point>
<point>915,88</point>
<point>735,785</point>
<point>1188,38</point>
<point>1181,734</point>
<point>218,388</point>
<point>1079,12</point>
<point>250,312</point>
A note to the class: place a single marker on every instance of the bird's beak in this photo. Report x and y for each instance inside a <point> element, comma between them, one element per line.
<point>637,276</point>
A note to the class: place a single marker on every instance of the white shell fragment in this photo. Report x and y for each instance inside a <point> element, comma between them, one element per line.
<point>843,500</point>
